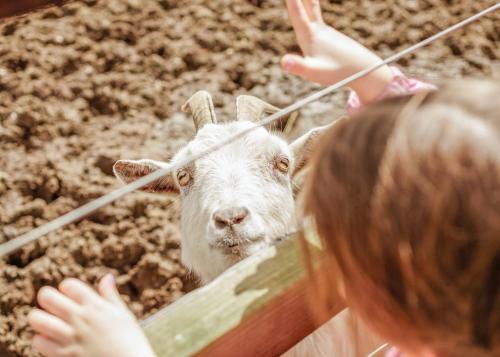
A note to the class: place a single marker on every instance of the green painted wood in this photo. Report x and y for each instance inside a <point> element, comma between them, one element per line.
<point>205,315</point>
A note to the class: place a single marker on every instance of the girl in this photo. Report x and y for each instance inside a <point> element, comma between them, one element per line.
<point>406,199</point>
<point>405,196</point>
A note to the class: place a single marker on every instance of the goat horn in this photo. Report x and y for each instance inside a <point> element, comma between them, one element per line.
<point>201,107</point>
<point>252,108</point>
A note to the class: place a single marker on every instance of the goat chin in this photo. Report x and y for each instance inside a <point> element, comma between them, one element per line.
<point>342,336</point>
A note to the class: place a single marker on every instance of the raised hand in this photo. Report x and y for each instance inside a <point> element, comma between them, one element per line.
<point>329,55</point>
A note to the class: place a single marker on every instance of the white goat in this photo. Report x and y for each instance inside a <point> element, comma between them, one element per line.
<point>236,200</point>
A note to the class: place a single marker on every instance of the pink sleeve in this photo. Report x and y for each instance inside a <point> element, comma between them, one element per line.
<point>393,352</point>
<point>400,85</point>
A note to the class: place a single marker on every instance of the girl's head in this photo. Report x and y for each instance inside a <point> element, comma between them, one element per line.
<point>406,199</point>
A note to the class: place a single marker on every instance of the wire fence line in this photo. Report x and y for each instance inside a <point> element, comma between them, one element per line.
<point>380,349</point>
<point>88,208</point>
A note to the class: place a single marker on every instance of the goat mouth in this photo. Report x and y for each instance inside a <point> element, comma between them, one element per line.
<point>235,250</point>
<point>236,247</point>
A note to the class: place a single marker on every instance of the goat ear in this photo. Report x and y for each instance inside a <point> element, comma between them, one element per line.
<point>130,170</point>
<point>303,147</point>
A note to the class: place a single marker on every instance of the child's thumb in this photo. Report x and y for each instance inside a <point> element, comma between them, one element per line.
<point>107,289</point>
<point>295,65</point>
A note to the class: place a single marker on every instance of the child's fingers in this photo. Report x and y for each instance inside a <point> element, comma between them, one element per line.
<point>78,291</point>
<point>296,65</point>
<point>311,68</point>
<point>56,303</point>
<point>298,16</point>
<point>107,289</point>
<point>313,10</point>
<point>50,326</point>
<point>47,347</point>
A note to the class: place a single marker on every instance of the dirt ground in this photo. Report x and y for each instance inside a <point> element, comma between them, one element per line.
<point>94,81</point>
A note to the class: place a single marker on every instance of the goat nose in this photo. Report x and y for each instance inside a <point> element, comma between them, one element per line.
<point>228,217</point>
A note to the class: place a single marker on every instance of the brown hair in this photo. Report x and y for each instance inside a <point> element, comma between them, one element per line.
<point>407,204</point>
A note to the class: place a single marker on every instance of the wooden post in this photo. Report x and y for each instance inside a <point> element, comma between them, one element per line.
<point>18,7</point>
<point>257,308</point>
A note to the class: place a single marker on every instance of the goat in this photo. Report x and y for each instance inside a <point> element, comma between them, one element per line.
<point>239,199</point>
<point>235,200</point>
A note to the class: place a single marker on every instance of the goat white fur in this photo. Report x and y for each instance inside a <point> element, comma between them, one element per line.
<point>235,200</point>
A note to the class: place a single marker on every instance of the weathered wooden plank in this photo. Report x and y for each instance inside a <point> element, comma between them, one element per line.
<point>256,308</point>
<point>18,7</point>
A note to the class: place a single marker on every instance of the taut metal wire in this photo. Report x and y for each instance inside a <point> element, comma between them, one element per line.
<point>88,208</point>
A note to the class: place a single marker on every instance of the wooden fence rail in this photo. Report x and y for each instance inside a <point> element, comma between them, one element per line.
<point>256,308</point>
<point>19,7</point>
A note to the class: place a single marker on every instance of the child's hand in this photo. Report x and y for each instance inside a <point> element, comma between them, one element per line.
<point>79,322</point>
<point>330,56</point>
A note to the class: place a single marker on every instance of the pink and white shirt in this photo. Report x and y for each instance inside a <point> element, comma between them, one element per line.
<point>393,352</point>
<point>400,85</point>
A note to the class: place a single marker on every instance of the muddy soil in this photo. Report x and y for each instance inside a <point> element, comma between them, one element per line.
<point>94,81</point>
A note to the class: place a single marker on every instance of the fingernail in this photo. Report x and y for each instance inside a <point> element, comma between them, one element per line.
<point>287,63</point>
<point>111,279</point>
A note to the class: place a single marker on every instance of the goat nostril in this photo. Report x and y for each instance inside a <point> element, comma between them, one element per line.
<point>230,216</point>
<point>220,221</point>
<point>240,216</point>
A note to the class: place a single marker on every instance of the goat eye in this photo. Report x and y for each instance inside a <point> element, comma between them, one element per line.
<point>183,177</point>
<point>282,164</point>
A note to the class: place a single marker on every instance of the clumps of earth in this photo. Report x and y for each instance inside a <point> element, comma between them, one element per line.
<point>94,81</point>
